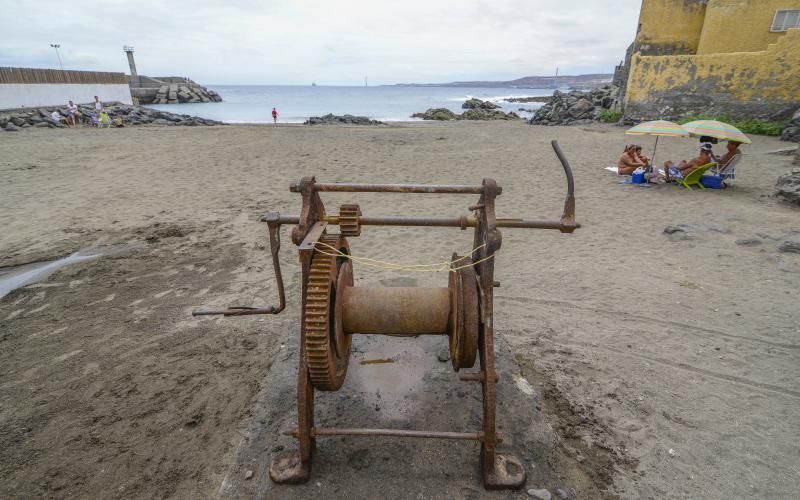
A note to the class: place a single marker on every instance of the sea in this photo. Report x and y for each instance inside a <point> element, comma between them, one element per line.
<point>388,103</point>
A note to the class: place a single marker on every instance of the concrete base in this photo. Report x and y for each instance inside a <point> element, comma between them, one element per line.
<point>395,383</point>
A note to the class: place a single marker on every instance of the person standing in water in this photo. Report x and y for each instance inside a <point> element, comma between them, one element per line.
<point>274,116</point>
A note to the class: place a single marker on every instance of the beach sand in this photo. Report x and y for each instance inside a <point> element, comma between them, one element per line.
<point>667,365</point>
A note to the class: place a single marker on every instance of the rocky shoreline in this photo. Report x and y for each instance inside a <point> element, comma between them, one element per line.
<point>576,107</point>
<point>476,109</point>
<point>331,119</point>
<point>120,115</point>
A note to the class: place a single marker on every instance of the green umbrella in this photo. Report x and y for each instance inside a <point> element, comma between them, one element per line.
<point>716,129</point>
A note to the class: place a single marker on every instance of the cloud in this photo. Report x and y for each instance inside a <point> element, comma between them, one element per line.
<point>330,42</point>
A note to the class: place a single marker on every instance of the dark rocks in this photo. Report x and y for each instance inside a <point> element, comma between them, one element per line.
<point>119,114</point>
<point>790,246</point>
<point>442,114</point>
<point>673,229</point>
<point>529,99</point>
<point>677,233</point>
<point>575,107</point>
<point>444,353</point>
<point>331,119</point>
<point>483,114</point>
<point>748,242</point>
<point>445,114</point>
<point>792,130</point>
<point>788,186</point>
<point>478,104</point>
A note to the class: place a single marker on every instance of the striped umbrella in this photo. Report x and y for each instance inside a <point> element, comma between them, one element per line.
<point>716,129</point>
<point>658,128</point>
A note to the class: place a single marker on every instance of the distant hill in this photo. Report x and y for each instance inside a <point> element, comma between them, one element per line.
<point>532,82</point>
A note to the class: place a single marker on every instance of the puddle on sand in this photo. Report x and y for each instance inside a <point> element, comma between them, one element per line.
<point>390,372</point>
<point>15,277</point>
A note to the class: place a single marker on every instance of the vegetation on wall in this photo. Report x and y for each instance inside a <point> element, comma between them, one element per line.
<point>754,126</point>
<point>609,116</point>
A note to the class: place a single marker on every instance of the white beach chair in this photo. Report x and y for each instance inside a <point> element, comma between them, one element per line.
<point>728,170</point>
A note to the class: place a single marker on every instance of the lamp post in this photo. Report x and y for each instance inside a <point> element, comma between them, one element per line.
<point>56,46</point>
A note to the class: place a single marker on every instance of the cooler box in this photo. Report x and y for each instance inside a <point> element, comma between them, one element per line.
<point>712,181</point>
<point>637,178</point>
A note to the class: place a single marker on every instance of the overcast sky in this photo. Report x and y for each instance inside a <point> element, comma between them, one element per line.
<point>331,42</point>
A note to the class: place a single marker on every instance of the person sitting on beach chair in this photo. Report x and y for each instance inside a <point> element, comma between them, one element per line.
<point>104,121</point>
<point>682,169</point>
<point>726,166</point>
<point>628,161</point>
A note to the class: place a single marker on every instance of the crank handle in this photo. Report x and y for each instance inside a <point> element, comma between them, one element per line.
<point>275,245</point>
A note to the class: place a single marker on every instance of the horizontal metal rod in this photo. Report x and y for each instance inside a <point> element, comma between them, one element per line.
<point>339,431</point>
<point>237,311</point>
<point>349,187</point>
<point>461,222</point>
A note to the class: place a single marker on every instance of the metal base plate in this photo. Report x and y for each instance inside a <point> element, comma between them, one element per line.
<point>287,468</point>
<point>508,473</point>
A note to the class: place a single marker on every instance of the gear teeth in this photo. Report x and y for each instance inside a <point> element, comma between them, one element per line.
<point>320,353</point>
<point>349,225</point>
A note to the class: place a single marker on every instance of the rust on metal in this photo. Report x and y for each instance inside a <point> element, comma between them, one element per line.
<point>338,431</point>
<point>333,309</point>
<point>396,310</point>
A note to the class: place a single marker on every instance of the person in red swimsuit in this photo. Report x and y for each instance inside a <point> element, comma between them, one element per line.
<point>274,116</point>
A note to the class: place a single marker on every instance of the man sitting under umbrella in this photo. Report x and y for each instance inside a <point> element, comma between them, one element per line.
<point>683,168</point>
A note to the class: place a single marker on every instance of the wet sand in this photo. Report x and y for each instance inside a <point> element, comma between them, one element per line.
<point>667,367</point>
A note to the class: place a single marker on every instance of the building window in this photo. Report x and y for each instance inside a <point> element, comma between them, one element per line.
<point>785,20</point>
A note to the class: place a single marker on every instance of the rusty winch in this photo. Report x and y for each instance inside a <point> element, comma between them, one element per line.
<point>333,310</point>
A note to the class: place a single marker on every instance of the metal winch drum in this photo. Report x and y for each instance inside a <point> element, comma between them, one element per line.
<point>333,310</point>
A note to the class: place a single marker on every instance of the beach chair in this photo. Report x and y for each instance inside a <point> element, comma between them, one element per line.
<point>693,177</point>
<point>728,171</point>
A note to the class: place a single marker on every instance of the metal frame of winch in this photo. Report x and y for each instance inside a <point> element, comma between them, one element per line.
<point>333,310</point>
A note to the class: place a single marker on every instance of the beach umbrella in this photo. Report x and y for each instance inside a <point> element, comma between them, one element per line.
<point>658,128</point>
<point>716,129</point>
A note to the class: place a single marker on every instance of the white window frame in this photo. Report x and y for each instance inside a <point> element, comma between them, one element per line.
<point>775,18</point>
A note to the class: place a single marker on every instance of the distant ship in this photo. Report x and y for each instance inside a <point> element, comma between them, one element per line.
<point>313,84</point>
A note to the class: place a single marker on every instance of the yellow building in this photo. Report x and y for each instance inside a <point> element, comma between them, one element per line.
<point>739,58</point>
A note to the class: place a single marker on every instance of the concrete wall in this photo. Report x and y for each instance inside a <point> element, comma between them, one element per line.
<point>741,25</point>
<point>670,26</point>
<point>763,84</point>
<point>18,95</point>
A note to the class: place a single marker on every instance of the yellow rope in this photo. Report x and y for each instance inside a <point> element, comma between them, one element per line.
<point>394,266</point>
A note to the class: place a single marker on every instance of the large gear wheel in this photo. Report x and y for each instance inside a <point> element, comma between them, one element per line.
<point>327,347</point>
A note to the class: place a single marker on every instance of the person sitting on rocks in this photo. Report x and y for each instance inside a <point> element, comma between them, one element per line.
<point>628,161</point>
<point>57,118</point>
<point>73,114</point>
<point>682,169</point>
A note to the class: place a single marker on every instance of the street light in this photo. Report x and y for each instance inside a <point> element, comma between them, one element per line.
<point>56,46</point>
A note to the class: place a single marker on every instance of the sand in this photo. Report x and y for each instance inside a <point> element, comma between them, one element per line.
<point>666,366</point>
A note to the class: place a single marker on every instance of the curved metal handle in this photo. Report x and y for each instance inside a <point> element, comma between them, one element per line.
<point>273,224</point>
<point>568,217</point>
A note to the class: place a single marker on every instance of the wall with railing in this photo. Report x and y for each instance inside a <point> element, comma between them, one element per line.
<point>32,87</point>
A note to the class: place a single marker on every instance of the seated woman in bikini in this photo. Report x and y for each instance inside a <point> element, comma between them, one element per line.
<point>629,161</point>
